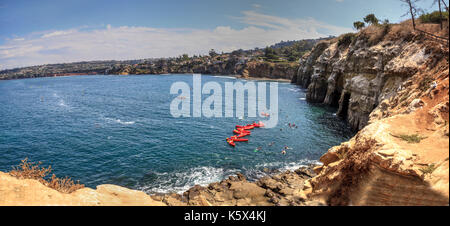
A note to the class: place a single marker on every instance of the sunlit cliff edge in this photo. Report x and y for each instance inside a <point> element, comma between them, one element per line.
<point>28,192</point>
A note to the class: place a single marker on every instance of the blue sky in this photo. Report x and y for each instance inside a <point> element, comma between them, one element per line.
<point>46,31</point>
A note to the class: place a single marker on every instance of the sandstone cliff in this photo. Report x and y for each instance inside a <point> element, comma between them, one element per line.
<point>231,66</point>
<point>270,70</point>
<point>355,72</point>
<point>397,92</point>
<point>28,192</point>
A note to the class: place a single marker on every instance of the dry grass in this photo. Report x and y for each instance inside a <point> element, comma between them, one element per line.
<point>401,31</point>
<point>429,169</point>
<point>375,33</point>
<point>414,138</point>
<point>33,170</point>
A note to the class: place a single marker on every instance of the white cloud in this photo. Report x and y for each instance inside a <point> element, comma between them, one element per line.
<point>58,33</point>
<point>256,5</point>
<point>121,43</point>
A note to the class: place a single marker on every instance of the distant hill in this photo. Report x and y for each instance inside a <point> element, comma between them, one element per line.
<point>214,63</point>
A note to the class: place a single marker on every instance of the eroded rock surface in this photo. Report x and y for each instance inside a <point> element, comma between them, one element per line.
<point>284,189</point>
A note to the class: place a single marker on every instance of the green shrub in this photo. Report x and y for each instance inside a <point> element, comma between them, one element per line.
<point>425,84</point>
<point>414,138</point>
<point>433,17</point>
<point>358,25</point>
<point>371,19</point>
<point>346,39</point>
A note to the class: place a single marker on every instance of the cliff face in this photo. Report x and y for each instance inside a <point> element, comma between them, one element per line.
<point>356,75</point>
<point>398,90</point>
<point>252,69</point>
<point>270,70</point>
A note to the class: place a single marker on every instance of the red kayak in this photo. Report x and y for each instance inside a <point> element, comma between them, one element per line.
<point>240,140</point>
<point>260,124</point>
<point>247,127</point>
<point>231,142</point>
<point>243,135</point>
<point>241,132</point>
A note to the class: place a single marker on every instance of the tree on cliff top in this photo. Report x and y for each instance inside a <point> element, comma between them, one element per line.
<point>358,25</point>
<point>212,53</point>
<point>371,19</point>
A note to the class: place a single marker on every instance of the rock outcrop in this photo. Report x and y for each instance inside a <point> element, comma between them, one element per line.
<point>284,189</point>
<point>270,70</point>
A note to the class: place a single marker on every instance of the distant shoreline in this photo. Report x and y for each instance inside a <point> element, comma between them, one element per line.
<point>232,75</point>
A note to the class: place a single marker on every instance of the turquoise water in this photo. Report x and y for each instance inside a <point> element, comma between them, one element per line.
<point>119,130</point>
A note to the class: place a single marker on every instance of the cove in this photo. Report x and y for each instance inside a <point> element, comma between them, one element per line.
<point>103,129</point>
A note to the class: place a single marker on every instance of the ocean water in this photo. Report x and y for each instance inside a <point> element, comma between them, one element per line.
<point>119,130</point>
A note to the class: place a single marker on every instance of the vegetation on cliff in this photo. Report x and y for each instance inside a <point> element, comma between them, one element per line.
<point>33,170</point>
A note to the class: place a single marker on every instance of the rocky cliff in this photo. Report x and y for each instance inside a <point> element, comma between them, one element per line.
<point>396,90</point>
<point>355,72</point>
<point>270,70</point>
<point>231,66</point>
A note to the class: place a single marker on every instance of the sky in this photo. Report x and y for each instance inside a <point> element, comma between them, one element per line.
<point>59,31</point>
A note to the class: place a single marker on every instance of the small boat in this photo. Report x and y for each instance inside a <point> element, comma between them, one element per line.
<point>240,140</point>
<point>243,135</point>
<point>241,131</point>
<point>247,127</point>
<point>257,125</point>
<point>231,142</point>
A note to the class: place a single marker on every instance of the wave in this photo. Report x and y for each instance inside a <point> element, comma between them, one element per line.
<point>295,90</point>
<point>120,121</point>
<point>60,100</point>
<point>62,103</point>
<point>223,76</point>
<point>283,166</point>
<point>181,181</point>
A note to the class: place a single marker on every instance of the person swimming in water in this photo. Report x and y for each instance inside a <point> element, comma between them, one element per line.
<point>258,149</point>
<point>283,151</point>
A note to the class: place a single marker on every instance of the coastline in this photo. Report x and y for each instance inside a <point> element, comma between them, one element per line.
<point>237,76</point>
<point>273,195</point>
<point>285,188</point>
<point>282,188</point>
